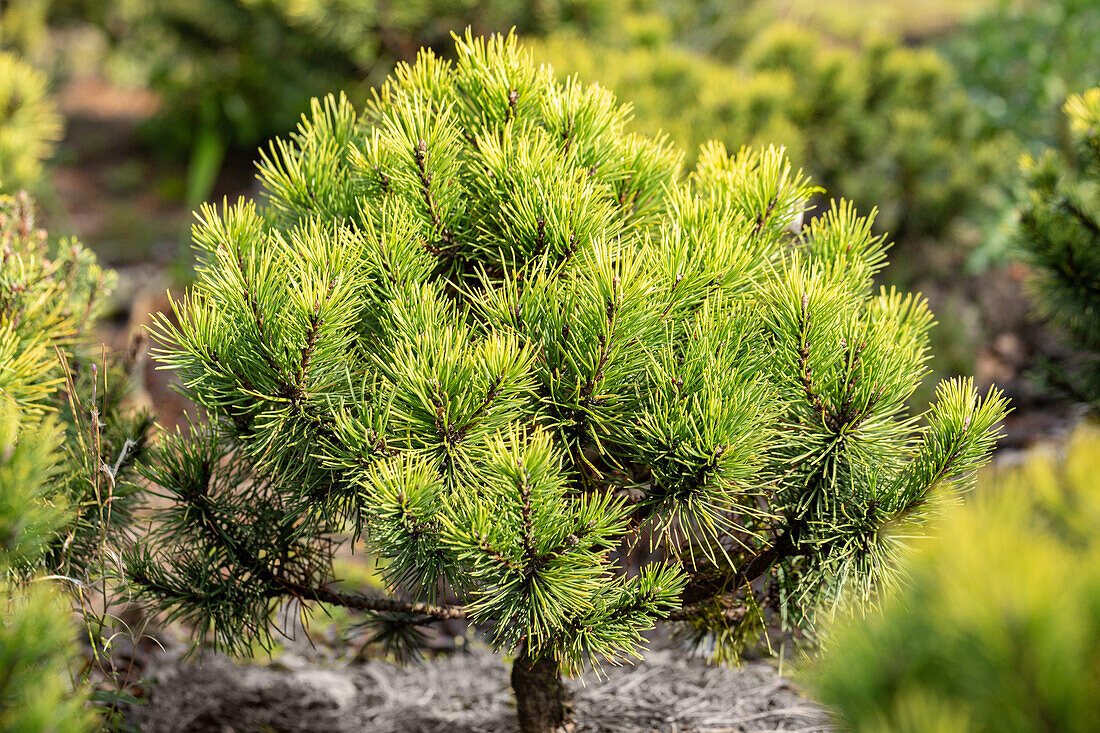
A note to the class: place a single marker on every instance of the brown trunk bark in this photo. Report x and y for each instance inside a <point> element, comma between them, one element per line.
<point>542,704</point>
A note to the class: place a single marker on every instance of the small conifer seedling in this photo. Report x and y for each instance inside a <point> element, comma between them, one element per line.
<point>504,341</point>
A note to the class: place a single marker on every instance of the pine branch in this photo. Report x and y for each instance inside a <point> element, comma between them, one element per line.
<point>762,219</point>
<point>426,613</point>
<point>703,588</point>
<point>805,371</point>
<point>496,556</point>
<point>1081,216</point>
<point>852,357</point>
<point>513,97</point>
<point>383,180</point>
<point>921,496</point>
<point>594,380</point>
<point>525,515</point>
<point>421,156</point>
<point>490,397</point>
<point>258,320</point>
<point>732,614</point>
<point>315,323</point>
<point>363,602</point>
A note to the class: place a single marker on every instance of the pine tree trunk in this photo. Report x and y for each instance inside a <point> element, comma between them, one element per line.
<point>542,704</point>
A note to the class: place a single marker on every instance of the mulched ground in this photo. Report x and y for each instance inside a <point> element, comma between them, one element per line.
<point>468,692</point>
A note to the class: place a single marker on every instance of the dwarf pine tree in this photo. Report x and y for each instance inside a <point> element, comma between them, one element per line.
<point>505,342</point>
<point>1059,233</point>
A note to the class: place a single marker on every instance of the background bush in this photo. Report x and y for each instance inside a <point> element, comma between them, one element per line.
<point>1059,237</point>
<point>51,296</point>
<point>44,303</point>
<point>997,627</point>
<point>67,469</point>
<point>37,635</point>
<point>234,73</point>
<point>29,124</point>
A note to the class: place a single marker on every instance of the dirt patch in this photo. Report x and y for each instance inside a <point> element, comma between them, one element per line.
<point>468,693</point>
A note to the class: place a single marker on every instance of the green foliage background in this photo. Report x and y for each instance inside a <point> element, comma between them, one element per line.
<point>29,124</point>
<point>876,122</point>
<point>233,74</point>
<point>1020,59</point>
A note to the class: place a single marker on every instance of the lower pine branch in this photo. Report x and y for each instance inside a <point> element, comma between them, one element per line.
<point>731,615</point>
<point>364,602</point>
<point>704,587</point>
<point>699,596</point>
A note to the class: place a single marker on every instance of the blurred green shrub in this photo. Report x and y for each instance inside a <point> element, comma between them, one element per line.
<point>1021,58</point>
<point>36,636</point>
<point>878,123</point>
<point>234,73</point>
<point>23,25</point>
<point>51,297</point>
<point>1059,237</point>
<point>29,124</point>
<point>68,456</point>
<point>719,29</point>
<point>998,628</point>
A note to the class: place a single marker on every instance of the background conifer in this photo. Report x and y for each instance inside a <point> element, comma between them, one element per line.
<point>51,296</point>
<point>67,469</point>
<point>29,124</point>
<point>37,635</point>
<point>1059,236</point>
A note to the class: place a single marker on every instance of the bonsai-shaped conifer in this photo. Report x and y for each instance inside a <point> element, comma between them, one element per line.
<point>1060,236</point>
<point>505,341</point>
